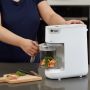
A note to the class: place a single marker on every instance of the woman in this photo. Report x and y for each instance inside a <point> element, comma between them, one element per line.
<point>20,21</point>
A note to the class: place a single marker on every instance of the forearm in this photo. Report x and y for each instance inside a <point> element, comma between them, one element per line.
<point>56,19</point>
<point>49,15</point>
<point>9,37</point>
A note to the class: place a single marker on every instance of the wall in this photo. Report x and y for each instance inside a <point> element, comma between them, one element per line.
<point>69,2</point>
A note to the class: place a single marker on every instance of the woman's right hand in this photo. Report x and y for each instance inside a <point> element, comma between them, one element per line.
<point>30,47</point>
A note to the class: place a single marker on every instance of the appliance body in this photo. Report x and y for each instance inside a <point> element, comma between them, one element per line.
<point>75,55</point>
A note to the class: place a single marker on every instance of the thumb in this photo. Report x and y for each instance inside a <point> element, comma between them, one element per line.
<point>36,43</point>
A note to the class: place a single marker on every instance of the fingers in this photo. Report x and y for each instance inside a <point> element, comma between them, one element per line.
<point>81,22</point>
<point>34,49</point>
<point>74,22</point>
<point>35,43</point>
<point>35,46</point>
<point>32,52</point>
<point>30,47</point>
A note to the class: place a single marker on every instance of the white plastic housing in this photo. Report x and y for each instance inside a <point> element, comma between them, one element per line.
<point>74,37</point>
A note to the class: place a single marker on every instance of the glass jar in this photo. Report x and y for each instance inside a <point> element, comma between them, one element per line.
<point>51,58</point>
<point>48,56</point>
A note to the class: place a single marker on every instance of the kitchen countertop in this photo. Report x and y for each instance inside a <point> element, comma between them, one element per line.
<point>46,84</point>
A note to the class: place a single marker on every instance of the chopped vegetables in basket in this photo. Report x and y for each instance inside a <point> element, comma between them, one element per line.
<point>48,62</point>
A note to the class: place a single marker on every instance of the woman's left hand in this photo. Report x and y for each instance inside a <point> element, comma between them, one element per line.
<point>74,22</point>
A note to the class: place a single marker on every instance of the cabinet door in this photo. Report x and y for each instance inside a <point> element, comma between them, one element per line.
<point>89,37</point>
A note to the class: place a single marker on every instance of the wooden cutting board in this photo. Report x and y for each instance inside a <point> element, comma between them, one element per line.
<point>20,79</point>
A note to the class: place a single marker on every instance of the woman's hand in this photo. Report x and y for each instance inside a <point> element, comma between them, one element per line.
<point>27,45</point>
<point>51,17</point>
<point>74,22</point>
<point>30,47</point>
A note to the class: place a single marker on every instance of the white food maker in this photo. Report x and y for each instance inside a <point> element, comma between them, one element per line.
<point>73,40</point>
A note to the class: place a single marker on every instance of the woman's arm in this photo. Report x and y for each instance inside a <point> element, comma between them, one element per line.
<point>28,46</point>
<point>9,37</point>
<point>51,17</point>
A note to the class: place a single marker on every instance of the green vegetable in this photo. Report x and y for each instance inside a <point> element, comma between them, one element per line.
<point>20,73</point>
<point>47,59</point>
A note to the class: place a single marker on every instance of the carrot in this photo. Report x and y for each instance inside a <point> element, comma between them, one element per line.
<point>48,62</point>
<point>42,62</point>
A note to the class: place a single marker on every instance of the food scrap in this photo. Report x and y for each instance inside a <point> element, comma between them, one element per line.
<point>19,73</point>
<point>13,76</point>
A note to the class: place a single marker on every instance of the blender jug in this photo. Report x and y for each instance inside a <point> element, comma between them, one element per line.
<point>50,56</point>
